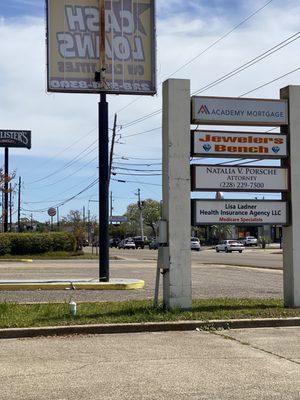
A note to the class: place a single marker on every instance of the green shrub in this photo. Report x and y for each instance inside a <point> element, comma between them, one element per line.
<point>5,247</point>
<point>36,243</point>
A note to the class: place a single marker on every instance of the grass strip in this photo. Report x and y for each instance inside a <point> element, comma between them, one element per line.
<point>36,315</point>
<point>51,255</point>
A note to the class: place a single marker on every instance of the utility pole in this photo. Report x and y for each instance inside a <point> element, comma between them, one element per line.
<point>141,213</point>
<point>19,205</point>
<point>112,145</point>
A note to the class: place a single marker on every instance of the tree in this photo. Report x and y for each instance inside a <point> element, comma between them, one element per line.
<point>73,223</point>
<point>221,232</point>
<point>151,214</point>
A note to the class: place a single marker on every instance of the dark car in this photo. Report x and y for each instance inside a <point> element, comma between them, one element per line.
<point>139,242</point>
<point>85,243</point>
<point>153,245</point>
<point>114,242</point>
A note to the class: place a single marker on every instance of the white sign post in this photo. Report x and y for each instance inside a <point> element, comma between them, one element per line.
<point>291,233</point>
<point>177,285</point>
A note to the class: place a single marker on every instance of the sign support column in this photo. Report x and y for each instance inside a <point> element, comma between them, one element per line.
<point>177,288</point>
<point>6,172</point>
<point>291,233</point>
<point>103,190</point>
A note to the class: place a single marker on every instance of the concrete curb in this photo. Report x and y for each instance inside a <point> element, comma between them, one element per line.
<point>23,260</point>
<point>17,333</point>
<point>124,284</point>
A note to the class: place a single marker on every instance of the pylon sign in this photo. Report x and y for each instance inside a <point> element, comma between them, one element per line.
<point>220,144</point>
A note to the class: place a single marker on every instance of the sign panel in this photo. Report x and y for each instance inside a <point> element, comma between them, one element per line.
<point>118,219</point>
<point>237,212</point>
<point>238,178</point>
<point>10,138</point>
<point>238,144</point>
<point>73,46</point>
<point>239,111</point>
<point>52,212</point>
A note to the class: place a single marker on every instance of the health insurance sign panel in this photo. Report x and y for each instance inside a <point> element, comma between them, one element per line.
<point>245,212</point>
<point>73,46</point>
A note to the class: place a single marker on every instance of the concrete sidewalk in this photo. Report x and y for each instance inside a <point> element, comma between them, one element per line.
<point>241,364</point>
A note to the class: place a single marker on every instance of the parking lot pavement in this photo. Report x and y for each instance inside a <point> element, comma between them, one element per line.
<point>207,281</point>
<point>254,364</point>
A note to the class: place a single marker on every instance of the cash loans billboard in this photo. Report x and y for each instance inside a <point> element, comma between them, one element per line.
<point>73,46</point>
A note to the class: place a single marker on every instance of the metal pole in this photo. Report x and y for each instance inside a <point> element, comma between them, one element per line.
<point>10,207</point>
<point>141,214</point>
<point>19,205</point>
<point>6,189</point>
<point>103,191</point>
<point>57,216</point>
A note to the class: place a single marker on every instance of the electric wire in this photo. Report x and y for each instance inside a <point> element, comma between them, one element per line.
<point>205,50</point>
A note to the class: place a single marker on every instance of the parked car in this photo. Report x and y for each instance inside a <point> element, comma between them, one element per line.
<point>248,241</point>
<point>114,242</point>
<point>229,246</point>
<point>126,244</point>
<point>153,245</point>
<point>139,242</point>
<point>195,244</point>
<point>85,243</point>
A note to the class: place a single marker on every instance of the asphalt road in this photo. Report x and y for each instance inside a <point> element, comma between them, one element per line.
<point>253,364</point>
<point>208,280</point>
<point>270,258</point>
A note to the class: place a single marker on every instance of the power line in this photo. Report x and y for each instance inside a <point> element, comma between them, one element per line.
<point>250,63</point>
<point>268,83</point>
<point>205,50</point>
<point>141,183</point>
<point>68,164</point>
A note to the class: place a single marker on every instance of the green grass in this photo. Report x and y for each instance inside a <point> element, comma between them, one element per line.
<point>51,255</point>
<point>34,315</point>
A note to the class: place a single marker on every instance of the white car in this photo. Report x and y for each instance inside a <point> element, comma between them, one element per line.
<point>249,241</point>
<point>126,244</point>
<point>229,246</point>
<point>195,244</point>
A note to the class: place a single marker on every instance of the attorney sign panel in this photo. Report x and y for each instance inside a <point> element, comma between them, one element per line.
<point>238,178</point>
<point>73,46</point>
<point>241,144</point>
<point>239,111</point>
<point>235,212</point>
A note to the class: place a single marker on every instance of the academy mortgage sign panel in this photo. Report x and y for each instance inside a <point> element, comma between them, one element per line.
<point>239,111</point>
<point>73,39</point>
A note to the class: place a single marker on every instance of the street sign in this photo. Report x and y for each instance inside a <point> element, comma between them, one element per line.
<point>52,212</point>
<point>118,219</point>
<point>238,178</point>
<point>12,138</point>
<point>76,49</point>
<point>239,111</point>
<point>239,212</point>
<point>238,144</point>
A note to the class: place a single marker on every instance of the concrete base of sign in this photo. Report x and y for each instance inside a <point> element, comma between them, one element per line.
<point>177,288</point>
<point>113,284</point>
<point>291,233</point>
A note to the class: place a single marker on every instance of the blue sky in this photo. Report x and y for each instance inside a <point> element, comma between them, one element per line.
<point>62,160</point>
